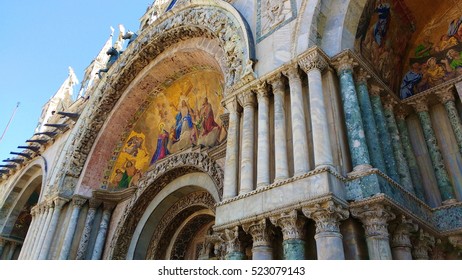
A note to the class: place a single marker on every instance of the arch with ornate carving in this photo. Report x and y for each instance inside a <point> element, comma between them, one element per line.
<point>212,30</point>
<point>185,175</point>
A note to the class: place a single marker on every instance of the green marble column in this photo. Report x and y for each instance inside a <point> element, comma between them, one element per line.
<point>372,137</point>
<point>447,98</point>
<point>403,168</point>
<point>291,225</point>
<point>410,156</point>
<point>293,249</point>
<point>354,123</point>
<point>387,148</point>
<point>442,177</point>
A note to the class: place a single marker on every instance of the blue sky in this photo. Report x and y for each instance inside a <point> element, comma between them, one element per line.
<point>39,41</point>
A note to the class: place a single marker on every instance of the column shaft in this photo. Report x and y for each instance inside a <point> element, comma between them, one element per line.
<point>2,246</point>
<point>454,119</point>
<point>263,153</point>
<point>232,153</point>
<point>280,139</point>
<point>77,203</point>
<point>403,168</point>
<point>34,234</point>
<point>248,142</point>
<point>261,235</point>
<point>11,251</point>
<point>102,231</point>
<point>291,225</point>
<point>59,203</point>
<point>299,131</point>
<point>43,231</point>
<point>29,235</point>
<point>83,245</point>
<point>384,136</point>
<point>233,244</point>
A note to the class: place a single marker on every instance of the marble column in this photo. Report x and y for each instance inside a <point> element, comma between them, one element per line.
<point>44,228</point>
<point>384,136</point>
<point>77,202</point>
<point>2,246</point>
<point>291,225</point>
<point>313,64</point>
<point>447,98</point>
<point>262,248</point>
<point>370,127</point>
<point>442,177</point>
<point>247,100</point>
<point>403,168</point>
<point>401,239</point>
<point>232,151</point>
<point>409,154</point>
<point>102,231</point>
<point>299,131</point>
<point>85,238</point>
<point>423,243</point>
<point>354,123</point>
<point>35,232</point>
<point>263,153</point>
<point>29,235</point>
<point>59,202</point>
<point>375,219</point>
<point>280,138</point>
<point>234,248</point>
<point>329,243</point>
<point>11,250</point>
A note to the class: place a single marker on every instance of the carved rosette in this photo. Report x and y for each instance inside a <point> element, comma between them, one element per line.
<point>401,233</point>
<point>260,231</point>
<point>423,243</point>
<point>247,99</point>
<point>231,238</point>
<point>344,63</point>
<point>327,216</point>
<point>375,219</point>
<point>314,60</point>
<point>291,225</point>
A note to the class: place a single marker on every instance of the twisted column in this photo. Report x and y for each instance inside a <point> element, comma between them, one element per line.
<point>329,243</point>
<point>375,219</point>
<point>263,153</point>
<point>85,238</point>
<point>232,151</point>
<point>382,129</point>
<point>299,131</point>
<point>59,202</point>
<point>354,123</point>
<point>401,239</point>
<point>262,248</point>
<point>293,235</point>
<point>280,139</point>
<point>442,177</point>
<point>77,202</point>
<point>403,168</point>
<point>102,231</point>
<point>447,98</point>
<point>247,100</point>
<point>234,248</point>
<point>370,127</point>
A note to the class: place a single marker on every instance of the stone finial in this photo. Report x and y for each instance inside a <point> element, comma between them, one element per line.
<point>375,90</point>
<point>247,98</point>
<point>446,94</point>
<point>362,76</point>
<point>401,231</point>
<point>375,218</point>
<point>313,60</point>
<point>344,62</point>
<point>290,223</point>
<point>260,231</point>
<point>422,244</point>
<point>327,216</point>
<point>291,72</point>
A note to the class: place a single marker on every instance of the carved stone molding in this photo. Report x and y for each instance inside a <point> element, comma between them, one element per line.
<point>291,224</point>
<point>327,216</point>
<point>422,245</point>
<point>260,231</point>
<point>314,60</point>
<point>344,62</point>
<point>375,219</point>
<point>401,232</point>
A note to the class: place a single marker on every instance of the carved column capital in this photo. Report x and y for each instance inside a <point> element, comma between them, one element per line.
<point>456,241</point>
<point>260,231</point>
<point>314,60</point>
<point>276,83</point>
<point>344,62</point>
<point>375,90</point>
<point>94,203</point>
<point>292,73</point>
<point>390,103</point>
<point>401,113</point>
<point>362,76</point>
<point>327,216</point>
<point>231,238</point>
<point>60,202</point>
<point>247,99</point>
<point>78,201</point>
<point>109,206</point>
<point>446,94</point>
<point>420,105</point>
<point>401,231</point>
<point>422,244</point>
<point>375,219</point>
<point>231,105</point>
<point>261,91</point>
<point>438,251</point>
<point>291,224</point>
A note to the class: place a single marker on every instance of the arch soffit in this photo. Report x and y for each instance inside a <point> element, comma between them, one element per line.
<point>196,18</point>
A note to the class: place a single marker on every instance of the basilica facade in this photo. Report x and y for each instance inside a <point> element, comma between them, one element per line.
<point>292,129</point>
